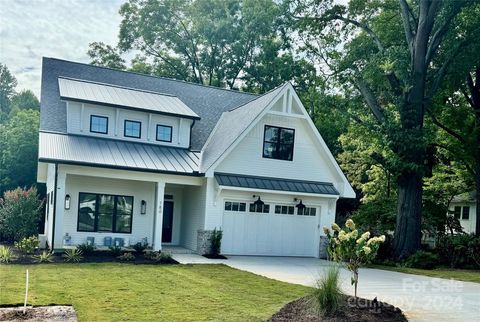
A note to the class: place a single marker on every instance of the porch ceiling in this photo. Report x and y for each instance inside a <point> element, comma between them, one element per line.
<point>82,150</point>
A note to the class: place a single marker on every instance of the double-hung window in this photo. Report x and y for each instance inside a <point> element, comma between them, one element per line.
<point>132,129</point>
<point>278,143</point>
<point>104,213</point>
<point>164,133</point>
<point>98,124</point>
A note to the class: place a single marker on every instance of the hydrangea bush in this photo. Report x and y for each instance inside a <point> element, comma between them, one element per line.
<point>351,247</point>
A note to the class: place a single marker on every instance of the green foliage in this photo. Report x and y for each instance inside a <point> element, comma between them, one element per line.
<point>474,250</point>
<point>115,250</point>
<point>19,150</point>
<point>455,249</point>
<point>160,257</point>
<point>27,245</point>
<point>73,255</point>
<point>351,248</point>
<point>378,215</point>
<point>25,100</point>
<point>140,247</point>
<point>45,257</point>
<point>6,254</point>
<point>216,241</point>
<point>126,257</point>
<point>20,212</point>
<point>423,260</point>
<point>7,89</point>
<point>105,55</point>
<point>86,249</point>
<point>327,293</point>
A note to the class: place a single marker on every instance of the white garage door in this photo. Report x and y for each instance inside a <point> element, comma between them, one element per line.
<point>275,230</point>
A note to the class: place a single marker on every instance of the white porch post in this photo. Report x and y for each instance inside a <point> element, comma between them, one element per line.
<point>59,210</point>
<point>157,241</point>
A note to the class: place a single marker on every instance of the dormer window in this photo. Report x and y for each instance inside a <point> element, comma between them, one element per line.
<point>278,143</point>
<point>164,133</point>
<point>132,129</point>
<point>98,124</point>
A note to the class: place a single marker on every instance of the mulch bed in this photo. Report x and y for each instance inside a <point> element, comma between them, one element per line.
<point>301,311</point>
<point>39,314</point>
<point>214,256</point>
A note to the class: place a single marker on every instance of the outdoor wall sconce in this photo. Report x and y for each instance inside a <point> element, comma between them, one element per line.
<point>300,205</point>
<point>67,202</point>
<point>143,207</point>
<point>258,202</point>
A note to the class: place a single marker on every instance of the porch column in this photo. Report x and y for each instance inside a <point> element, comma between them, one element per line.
<point>59,210</point>
<point>158,223</point>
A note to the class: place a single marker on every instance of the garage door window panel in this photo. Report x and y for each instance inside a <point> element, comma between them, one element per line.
<point>235,206</point>
<point>307,211</point>
<point>259,208</point>
<point>284,210</point>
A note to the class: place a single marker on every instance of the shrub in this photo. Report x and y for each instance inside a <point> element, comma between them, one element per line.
<point>474,250</point>
<point>73,255</point>
<point>115,250</point>
<point>422,259</point>
<point>86,249</point>
<point>350,247</point>
<point>126,257</point>
<point>45,257</point>
<point>161,257</point>
<point>327,293</point>
<point>140,247</point>
<point>216,242</point>
<point>27,245</point>
<point>453,249</point>
<point>20,212</point>
<point>6,254</point>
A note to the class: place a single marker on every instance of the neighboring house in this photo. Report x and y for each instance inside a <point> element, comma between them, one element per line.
<point>130,158</point>
<point>463,207</point>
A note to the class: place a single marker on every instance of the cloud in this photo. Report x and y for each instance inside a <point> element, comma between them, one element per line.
<point>32,29</point>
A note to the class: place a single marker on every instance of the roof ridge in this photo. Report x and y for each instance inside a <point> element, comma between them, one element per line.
<point>260,96</point>
<point>152,76</point>
<point>117,86</point>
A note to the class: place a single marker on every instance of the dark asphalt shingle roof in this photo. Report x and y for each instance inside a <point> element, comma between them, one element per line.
<point>208,102</point>
<point>277,184</point>
<point>88,150</point>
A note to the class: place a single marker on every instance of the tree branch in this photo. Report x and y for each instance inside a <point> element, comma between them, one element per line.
<point>370,99</point>
<point>409,35</point>
<point>445,128</point>
<point>364,27</point>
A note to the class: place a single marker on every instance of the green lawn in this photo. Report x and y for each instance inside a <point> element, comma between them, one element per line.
<point>127,292</point>
<point>456,274</point>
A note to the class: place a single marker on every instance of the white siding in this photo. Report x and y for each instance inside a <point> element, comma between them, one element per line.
<point>78,124</point>
<point>193,215</point>
<point>142,225</point>
<point>467,224</point>
<point>49,215</point>
<point>309,160</point>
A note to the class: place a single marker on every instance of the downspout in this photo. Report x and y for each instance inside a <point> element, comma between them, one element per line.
<point>54,206</point>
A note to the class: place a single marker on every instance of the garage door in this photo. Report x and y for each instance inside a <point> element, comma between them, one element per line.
<point>274,230</point>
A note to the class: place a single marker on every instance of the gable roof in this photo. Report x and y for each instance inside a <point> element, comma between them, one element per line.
<point>207,102</point>
<point>232,124</point>
<point>111,95</point>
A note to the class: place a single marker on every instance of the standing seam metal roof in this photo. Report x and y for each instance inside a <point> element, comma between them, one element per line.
<point>75,149</point>
<point>86,91</point>
<point>277,184</point>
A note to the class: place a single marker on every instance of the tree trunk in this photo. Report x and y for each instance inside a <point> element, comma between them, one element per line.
<point>407,236</point>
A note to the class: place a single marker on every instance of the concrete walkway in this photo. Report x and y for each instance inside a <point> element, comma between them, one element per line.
<point>421,298</point>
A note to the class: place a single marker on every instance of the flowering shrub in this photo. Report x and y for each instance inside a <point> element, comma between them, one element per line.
<point>350,247</point>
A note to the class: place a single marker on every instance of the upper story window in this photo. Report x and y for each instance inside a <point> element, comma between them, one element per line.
<point>98,124</point>
<point>278,143</point>
<point>164,133</point>
<point>132,129</point>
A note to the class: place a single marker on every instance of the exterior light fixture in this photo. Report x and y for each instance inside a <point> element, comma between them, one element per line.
<point>143,207</point>
<point>258,202</point>
<point>67,202</point>
<point>300,205</point>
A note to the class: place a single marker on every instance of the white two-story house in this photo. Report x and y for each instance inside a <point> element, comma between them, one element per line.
<point>131,158</point>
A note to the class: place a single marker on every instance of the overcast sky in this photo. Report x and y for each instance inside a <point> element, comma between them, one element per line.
<point>31,29</point>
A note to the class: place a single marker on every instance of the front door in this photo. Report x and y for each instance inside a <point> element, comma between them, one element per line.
<point>167,222</point>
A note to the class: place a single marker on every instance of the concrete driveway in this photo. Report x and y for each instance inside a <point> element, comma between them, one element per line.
<point>421,298</point>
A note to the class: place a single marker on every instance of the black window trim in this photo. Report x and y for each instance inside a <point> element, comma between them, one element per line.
<point>125,129</point>
<point>99,116</point>
<point>277,143</point>
<point>156,133</point>
<point>95,220</point>
<point>463,213</point>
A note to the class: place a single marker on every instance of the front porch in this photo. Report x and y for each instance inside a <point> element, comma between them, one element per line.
<point>108,207</point>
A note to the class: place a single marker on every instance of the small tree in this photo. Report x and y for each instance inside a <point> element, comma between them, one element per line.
<point>347,246</point>
<point>216,241</point>
<point>19,214</point>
